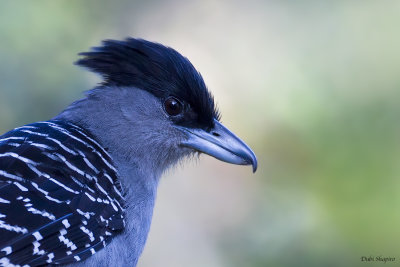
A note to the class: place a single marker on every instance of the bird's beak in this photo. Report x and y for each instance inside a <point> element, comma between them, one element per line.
<point>221,144</point>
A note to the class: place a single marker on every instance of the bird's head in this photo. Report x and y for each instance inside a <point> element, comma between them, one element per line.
<point>156,105</point>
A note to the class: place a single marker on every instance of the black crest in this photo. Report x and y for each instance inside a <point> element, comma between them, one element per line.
<point>152,67</point>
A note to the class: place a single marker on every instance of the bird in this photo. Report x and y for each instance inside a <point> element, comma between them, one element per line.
<point>79,189</point>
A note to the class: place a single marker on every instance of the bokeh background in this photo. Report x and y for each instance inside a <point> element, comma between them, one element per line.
<point>312,86</point>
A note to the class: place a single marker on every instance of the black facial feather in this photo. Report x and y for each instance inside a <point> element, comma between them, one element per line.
<point>158,69</point>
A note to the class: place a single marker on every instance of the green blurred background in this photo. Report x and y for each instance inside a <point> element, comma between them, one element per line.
<point>312,86</point>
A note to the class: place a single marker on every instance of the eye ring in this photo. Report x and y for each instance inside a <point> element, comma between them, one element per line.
<point>173,106</point>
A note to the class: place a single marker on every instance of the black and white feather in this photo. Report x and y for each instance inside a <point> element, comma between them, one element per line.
<point>64,185</point>
<point>61,181</point>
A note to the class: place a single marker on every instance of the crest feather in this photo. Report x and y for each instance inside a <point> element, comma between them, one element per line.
<point>153,67</point>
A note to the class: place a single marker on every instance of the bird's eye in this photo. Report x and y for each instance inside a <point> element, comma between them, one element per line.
<point>172,106</point>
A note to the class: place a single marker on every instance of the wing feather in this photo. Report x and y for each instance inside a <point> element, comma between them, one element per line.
<point>60,199</point>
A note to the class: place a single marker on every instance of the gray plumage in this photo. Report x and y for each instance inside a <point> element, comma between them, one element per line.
<point>86,181</point>
<point>125,125</point>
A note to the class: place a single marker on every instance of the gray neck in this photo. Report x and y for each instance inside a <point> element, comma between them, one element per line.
<point>125,132</point>
<point>126,122</point>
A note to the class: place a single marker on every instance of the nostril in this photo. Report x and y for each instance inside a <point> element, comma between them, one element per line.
<point>215,134</point>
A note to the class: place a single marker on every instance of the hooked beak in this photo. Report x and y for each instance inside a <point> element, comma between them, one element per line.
<point>221,144</point>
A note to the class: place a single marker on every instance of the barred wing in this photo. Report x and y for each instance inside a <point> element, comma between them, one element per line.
<point>60,199</point>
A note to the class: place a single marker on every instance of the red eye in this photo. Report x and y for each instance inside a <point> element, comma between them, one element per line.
<point>172,106</point>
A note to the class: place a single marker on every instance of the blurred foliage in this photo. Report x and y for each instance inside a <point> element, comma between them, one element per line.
<point>320,80</point>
